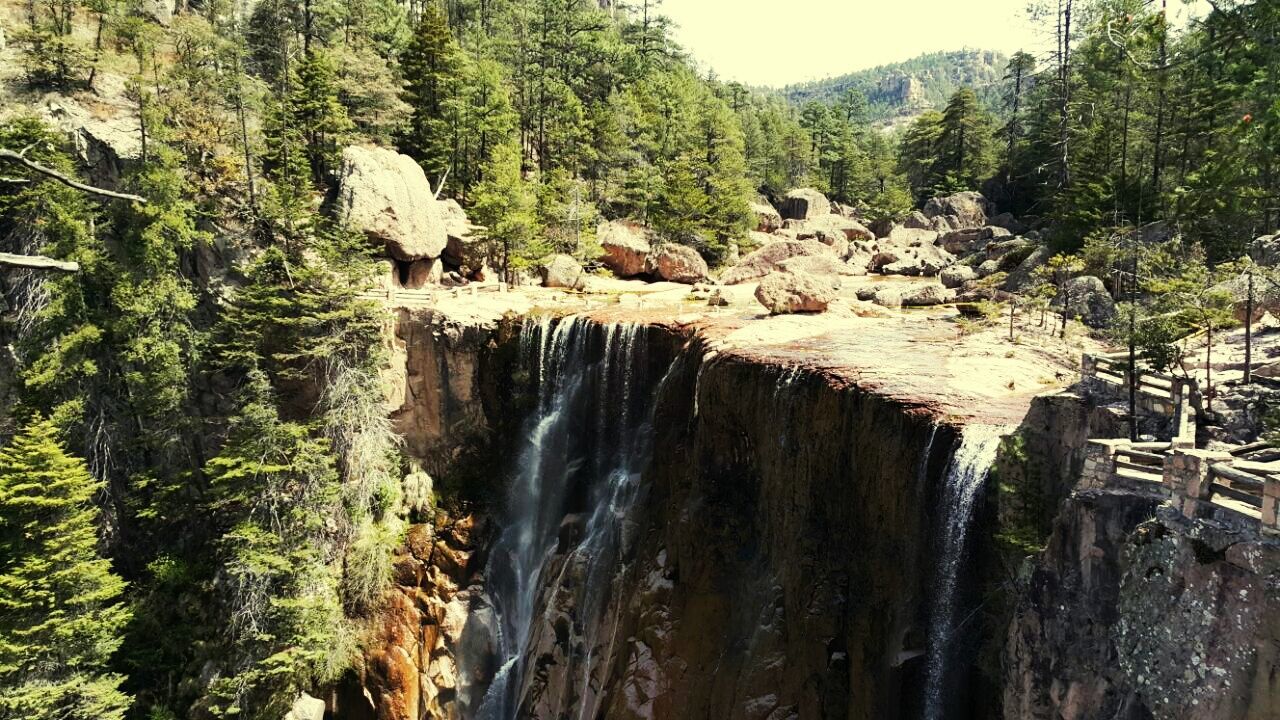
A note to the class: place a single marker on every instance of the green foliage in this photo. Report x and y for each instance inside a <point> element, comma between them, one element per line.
<point>506,204</point>
<point>60,612</point>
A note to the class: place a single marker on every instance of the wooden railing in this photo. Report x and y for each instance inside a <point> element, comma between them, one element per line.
<point>1157,393</point>
<point>1241,486</point>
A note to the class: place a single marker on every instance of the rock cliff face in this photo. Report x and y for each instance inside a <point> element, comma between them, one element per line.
<point>775,563</point>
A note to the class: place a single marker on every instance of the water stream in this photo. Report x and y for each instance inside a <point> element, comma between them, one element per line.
<point>583,450</point>
<point>965,478</point>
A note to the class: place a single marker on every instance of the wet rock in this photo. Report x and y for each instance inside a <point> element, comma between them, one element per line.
<point>386,196</point>
<point>784,292</point>
<point>626,247</point>
<point>562,271</point>
<point>678,263</point>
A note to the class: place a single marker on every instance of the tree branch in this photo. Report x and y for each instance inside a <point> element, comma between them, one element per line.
<point>37,262</point>
<point>18,158</point>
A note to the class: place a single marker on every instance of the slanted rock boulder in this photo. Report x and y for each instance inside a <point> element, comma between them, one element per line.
<point>760,263</point>
<point>626,247</point>
<point>804,203</point>
<point>969,209</point>
<point>821,265</point>
<point>386,196</point>
<point>918,221</point>
<point>955,276</point>
<point>784,292</point>
<point>768,218</point>
<point>967,240</point>
<point>1086,298</point>
<point>678,263</point>
<point>562,271</point>
<point>1022,276</point>
<point>926,295</point>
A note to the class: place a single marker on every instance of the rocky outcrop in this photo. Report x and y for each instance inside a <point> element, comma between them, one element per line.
<point>768,218</point>
<point>626,247</point>
<point>678,263</point>
<point>803,204</point>
<point>386,196</point>
<point>1086,298</point>
<point>965,209</point>
<point>790,292</point>
<point>768,259</point>
<point>1126,616</point>
<point>562,271</point>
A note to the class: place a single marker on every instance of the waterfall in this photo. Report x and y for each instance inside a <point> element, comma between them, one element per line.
<point>965,477</point>
<point>576,476</point>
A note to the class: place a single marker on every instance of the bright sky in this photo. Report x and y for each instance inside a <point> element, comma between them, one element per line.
<point>766,42</point>
<point>772,43</point>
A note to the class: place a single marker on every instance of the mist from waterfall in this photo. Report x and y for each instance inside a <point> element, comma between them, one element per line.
<point>583,448</point>
<point>964,481</point>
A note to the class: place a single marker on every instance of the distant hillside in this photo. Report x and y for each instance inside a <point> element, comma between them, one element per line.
<point>907,88</point>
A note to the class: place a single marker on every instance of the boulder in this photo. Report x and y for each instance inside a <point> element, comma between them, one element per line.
<point>1008,222</point>
<point>943,224</point>
<point>768,218</point>
<point>626,247</point>
<point>758,239</point>
<point>889,297</point>
<point>784,292</point>
<point>912,237</point>
<point>969,209</point>
<point>717,299</point>
<point>1023,275</point>
<point>1086,297</point>
<point>424,272</point>
<point>922,260</point>
<point>882,227</point>
<point>562,271</point>
<point>955,276</point>
<point>760,263</point>
<point>988,267</point>
<point>463,250</point>
<point>926,295</point>
<point>1265,250</point>
<point>678,263</point>
<point>306,708</point>
<point>804,203</point>
<point>918,221</point>
<point>967,240</point>
<point>386,196</point>
<point>820,265</point>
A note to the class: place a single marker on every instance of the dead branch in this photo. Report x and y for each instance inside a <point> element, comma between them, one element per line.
<point>37,262</point>
<point>18,158</point>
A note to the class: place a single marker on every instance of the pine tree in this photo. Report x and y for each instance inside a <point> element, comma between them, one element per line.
<point>965,142</point>
<point>60,617</point>
<point>506,204</point>
<point>429,66</point>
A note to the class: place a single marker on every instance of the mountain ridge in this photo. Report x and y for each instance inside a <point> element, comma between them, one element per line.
<point>904,89</point>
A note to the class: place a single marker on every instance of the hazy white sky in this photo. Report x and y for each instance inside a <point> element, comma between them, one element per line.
<point>773,42</point>
<point>767,42</point>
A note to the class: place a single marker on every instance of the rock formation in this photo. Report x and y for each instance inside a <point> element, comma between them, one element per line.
<point>386,196</point>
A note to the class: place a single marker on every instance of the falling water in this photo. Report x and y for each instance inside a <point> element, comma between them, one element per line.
<point>583,450</point>
<point>966,476</point>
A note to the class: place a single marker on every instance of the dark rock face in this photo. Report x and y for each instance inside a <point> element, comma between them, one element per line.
<point>1127,616</point>
<point>738,594</point>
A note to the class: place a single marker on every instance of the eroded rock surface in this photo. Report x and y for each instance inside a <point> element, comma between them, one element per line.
<point>386,196</point>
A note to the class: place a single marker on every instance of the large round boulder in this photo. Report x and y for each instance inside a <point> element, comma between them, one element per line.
<point>956,275</point>
<point>626,247</point>
<point>926,295</point>
<point>562,271</point>
<point>784,292</point>
<point>1086,298</point>
<point>678,263</point>
<point>804,203</point>
<point>386,196</point>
